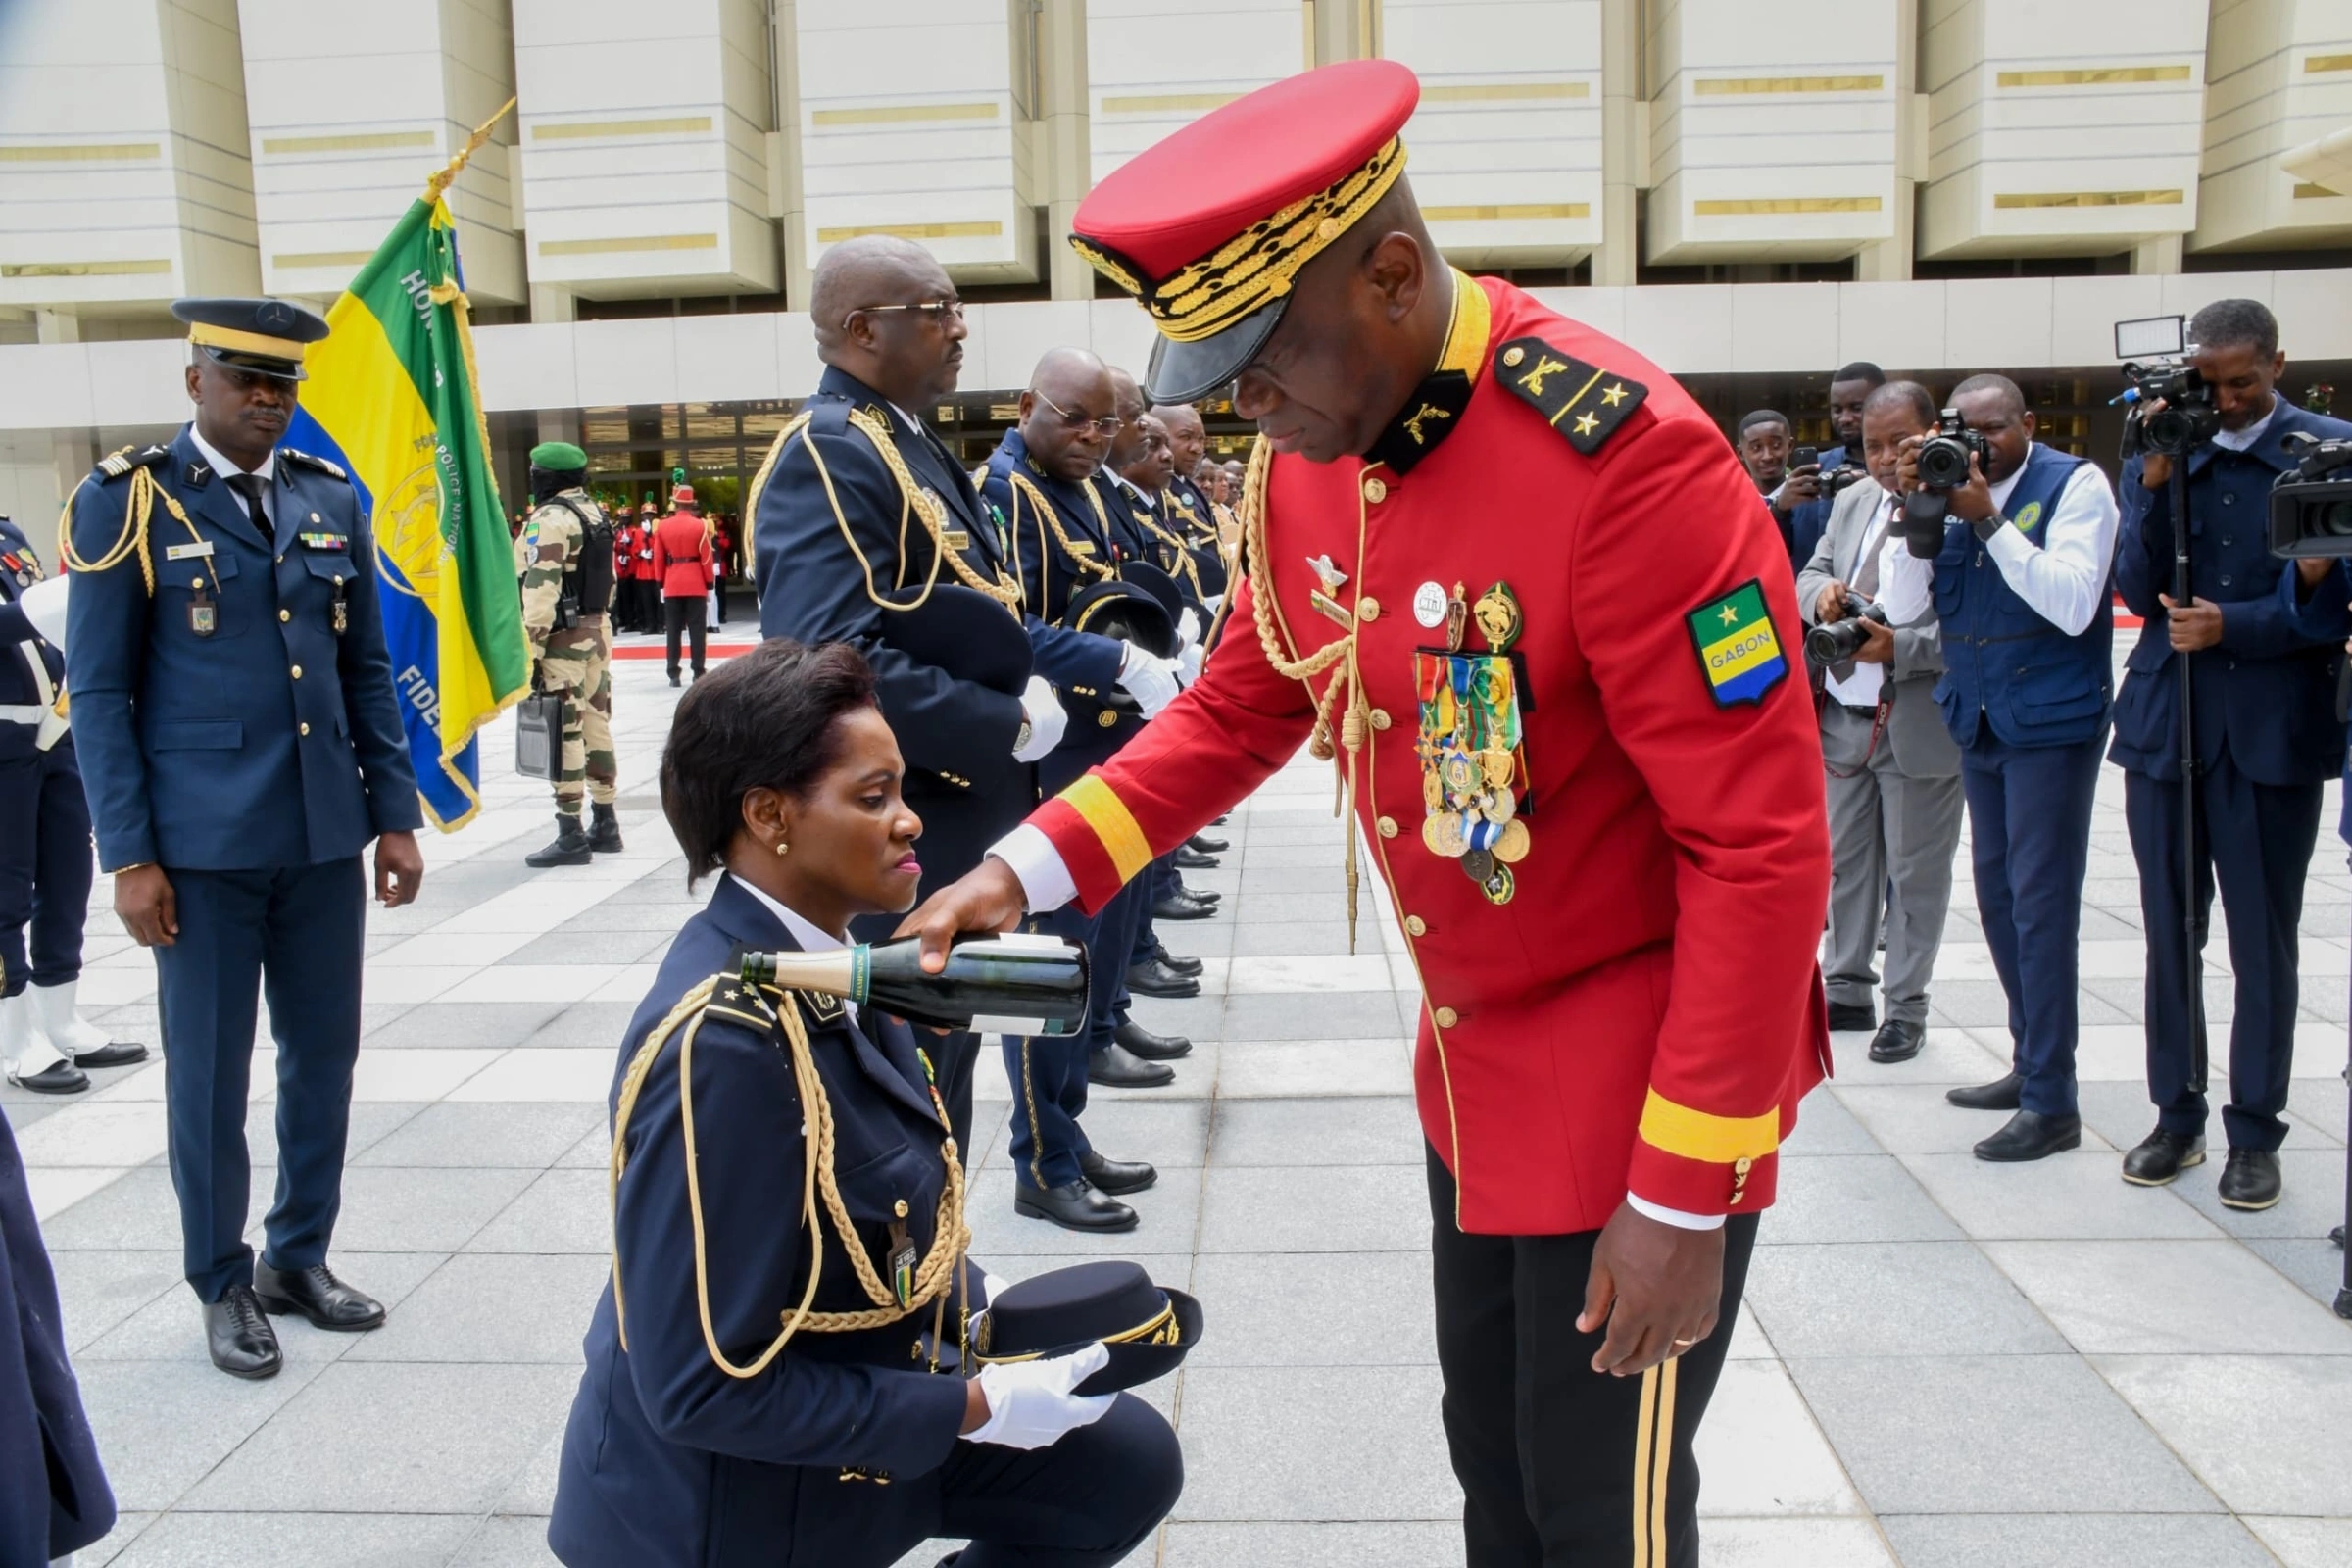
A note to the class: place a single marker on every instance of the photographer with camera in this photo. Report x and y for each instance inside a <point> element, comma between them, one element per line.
<point>1894,772</point>
<point>2267,741</point>
<point>2022,538</point>
<point>1837,466</point>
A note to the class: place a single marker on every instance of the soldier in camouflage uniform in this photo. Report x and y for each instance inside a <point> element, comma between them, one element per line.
<point>565,559</point>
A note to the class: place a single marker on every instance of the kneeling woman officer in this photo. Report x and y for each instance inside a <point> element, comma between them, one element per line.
<point>774,1371</point>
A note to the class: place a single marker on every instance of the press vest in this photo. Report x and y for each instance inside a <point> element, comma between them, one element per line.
<point>2003,664</point>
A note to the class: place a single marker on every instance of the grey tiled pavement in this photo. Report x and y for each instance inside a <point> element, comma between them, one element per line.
<point>1942,1364</point>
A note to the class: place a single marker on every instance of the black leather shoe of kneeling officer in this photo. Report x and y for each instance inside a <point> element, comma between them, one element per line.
<point>1208,846</point>
<point>1852,1017</point>
<point>1153,978</point>
<point>2029,1135</point>
<point>1184,964</point>
<point>1183,906</point>
<point>2162,1155</point>
<point>1897,1040</point>
<point>1116,1176</point>
<point>1998,1095</point>
<point>1138,1041</point>
<point>2250,1179</point>
<point>316,1295</point>
<point>1076,1206</point>
<point>58,1078</point>
<point>1189,859</point>
<point>1115,1067</point>
<point>241,1340</point>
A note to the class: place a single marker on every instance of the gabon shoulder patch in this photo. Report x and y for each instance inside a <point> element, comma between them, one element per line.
<point>1583,402</point>
<point>1738,647</point>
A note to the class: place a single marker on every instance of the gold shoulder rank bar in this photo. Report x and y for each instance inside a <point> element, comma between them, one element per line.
<point>1583,402</point>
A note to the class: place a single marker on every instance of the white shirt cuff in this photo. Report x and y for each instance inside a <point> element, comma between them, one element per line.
<point>1676,1217</point>
<point>1045,879</point>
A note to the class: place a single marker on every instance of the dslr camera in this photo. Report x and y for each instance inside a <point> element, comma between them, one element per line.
<point>1840,640</point>
<point>2311,508</point>
<point>1942,467</point>
<point>2155,355</point>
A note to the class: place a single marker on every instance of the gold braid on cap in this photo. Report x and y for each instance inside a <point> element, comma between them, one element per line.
<point>1255,267</point>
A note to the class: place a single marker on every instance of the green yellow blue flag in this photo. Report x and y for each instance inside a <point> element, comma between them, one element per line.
<point>392,398</point>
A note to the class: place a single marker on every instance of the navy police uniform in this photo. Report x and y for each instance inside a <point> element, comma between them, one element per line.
<point>833,1442</point>
<point>2027,706</point>
<point>238,728</point>
<point>46,865</point>
<point>842,548</point>
<point>1197,525</point>
<point>1809,520</point>
<point>2268,741</point>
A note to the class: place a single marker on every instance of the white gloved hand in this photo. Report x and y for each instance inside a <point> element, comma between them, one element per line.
<point>1188,665</point>
<point>45,607</point>
<point>1188,628</point>
<point>1149,679</point>
<point>1030,1404</point>
<point>1047,720</point>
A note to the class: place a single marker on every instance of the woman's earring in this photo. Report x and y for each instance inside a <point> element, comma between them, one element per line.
<point>783,848</point>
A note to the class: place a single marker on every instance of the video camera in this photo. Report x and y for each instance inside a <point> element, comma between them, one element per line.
<point>1840,640</point>
<point>2155,354</point>
<point>2311,508</point>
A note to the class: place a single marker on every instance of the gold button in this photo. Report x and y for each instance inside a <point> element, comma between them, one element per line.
<point>286,614</point>
<point>1368,607</point>
<point>1388,827</point>
<point>1380,718</point>
<point>306,729</point>
<point>1446,1017</point>
<point>313,516</point>
<point>1375,491</point>
<point>900,1208</point>
<point>1513,356</point>
<point>1106,718</point>
<point>298,672</point>
<point>1415,926</point>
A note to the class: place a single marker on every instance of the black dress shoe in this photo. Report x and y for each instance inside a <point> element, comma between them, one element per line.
<point>1138,1041</point>
<point>1182,905</point>
<point>2162,1155</point>
<point>1189,859</point>
<point>2029,1135</point>
<point>1208,846</point>
<point>1220,819</point>
<point>315,1294</point>
<point>1115,1067</point>
<point>241,1340</point>
<point>2250,1180</point>
<point>114,1053</point>
<point>1897,1040</point>
<point>60,1078</point>
<point>1847,1017</point>
<point>1998,1095</point>
<point>1153,978</point>
<point>1116,1176</point>
<point>1186,966</point>
<point>1074,1208</point>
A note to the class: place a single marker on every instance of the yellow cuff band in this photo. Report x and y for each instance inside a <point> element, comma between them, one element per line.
<point>1713,1140</point>
<point>1122,838</point>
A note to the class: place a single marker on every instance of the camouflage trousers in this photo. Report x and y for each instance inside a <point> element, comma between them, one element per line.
<point>578,666</point>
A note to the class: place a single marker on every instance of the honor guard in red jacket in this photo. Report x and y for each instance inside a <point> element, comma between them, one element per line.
<point>1510,578</point>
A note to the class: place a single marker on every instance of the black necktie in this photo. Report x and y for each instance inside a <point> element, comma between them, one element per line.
<point>250,486</point>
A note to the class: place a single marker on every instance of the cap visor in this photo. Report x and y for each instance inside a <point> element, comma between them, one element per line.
<point>280,369</point>
<point>1183,373</point>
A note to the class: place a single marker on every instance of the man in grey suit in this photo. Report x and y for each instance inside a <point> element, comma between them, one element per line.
<point>1894,772</point>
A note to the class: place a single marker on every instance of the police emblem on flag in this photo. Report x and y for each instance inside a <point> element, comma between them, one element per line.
<point>1738,647</point>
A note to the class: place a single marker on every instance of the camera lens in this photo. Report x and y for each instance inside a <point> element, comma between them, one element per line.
<point>2334,519</point>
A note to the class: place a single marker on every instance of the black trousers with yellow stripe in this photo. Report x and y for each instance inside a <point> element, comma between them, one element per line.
<point>1561,1466</point>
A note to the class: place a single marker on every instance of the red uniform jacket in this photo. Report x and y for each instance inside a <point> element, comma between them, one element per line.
<point>1645,1011</point>
<point>682,555</point>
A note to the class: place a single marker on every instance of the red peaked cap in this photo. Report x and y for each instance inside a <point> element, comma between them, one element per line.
<point>1185,224</point>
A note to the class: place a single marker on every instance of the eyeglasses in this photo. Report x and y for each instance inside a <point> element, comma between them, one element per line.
<point>933,311</point>
<point>1079,420</point>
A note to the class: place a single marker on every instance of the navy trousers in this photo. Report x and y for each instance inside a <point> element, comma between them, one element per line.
<point>1161,880</point>
<point>46,867</point>
<point>2028,819</point>
<point>298,933</point>
<point>1048,1072</point>
<point>2259,837</point>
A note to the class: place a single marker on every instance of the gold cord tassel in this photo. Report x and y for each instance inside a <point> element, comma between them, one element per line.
<point>440,180</point>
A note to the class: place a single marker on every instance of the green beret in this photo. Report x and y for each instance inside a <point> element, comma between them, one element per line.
<point>558,457</point>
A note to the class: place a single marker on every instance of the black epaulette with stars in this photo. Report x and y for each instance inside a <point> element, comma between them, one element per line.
<point>738,1001</point>
<point>307,460</point>
<point>115,464</point>
<point>1583,402</point>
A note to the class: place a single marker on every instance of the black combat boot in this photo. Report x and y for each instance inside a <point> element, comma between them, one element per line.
<point>604,830</point>
<point>571,846</point>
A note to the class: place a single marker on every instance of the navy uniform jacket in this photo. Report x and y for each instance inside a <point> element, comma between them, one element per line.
<point>1809,522</point>
<point>19,569</point>
<point>1197,525</point>
<point>832,529</point>
<point>271,743</point>
<point>667,1459</point>
<point>2267,691</point>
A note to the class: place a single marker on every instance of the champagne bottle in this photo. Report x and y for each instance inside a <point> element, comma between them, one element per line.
<point>1014,985</point>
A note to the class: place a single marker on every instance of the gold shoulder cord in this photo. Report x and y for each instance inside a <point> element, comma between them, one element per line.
<point>1184,558</point>
<point>932,1277</point>
<point>1046,512</point>
<point>1341,652</point>
<point>133,540</point>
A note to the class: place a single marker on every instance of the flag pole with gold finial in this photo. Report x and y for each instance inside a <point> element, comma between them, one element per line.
<point>439,182</point>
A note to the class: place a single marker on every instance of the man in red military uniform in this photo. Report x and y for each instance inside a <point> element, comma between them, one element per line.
<point>1512,579</point>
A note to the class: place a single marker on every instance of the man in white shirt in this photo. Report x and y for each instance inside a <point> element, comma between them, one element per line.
<point>2021,586</point>
<point>1894,773</point>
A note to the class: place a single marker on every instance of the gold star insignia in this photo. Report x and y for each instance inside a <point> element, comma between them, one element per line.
<point>1614,395</point>
<point>1586,422</point>
<point>1730,615</point>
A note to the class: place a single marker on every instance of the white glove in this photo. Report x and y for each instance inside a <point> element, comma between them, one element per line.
<point>1188,665</point>
<point>1047,720</point>
<point>1148,679</point>
<point>1188,628</point>
<point>45,607</point>
<point>1030,1404</point>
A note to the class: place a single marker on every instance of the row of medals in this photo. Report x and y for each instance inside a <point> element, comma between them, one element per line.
<point>1473,814</point>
